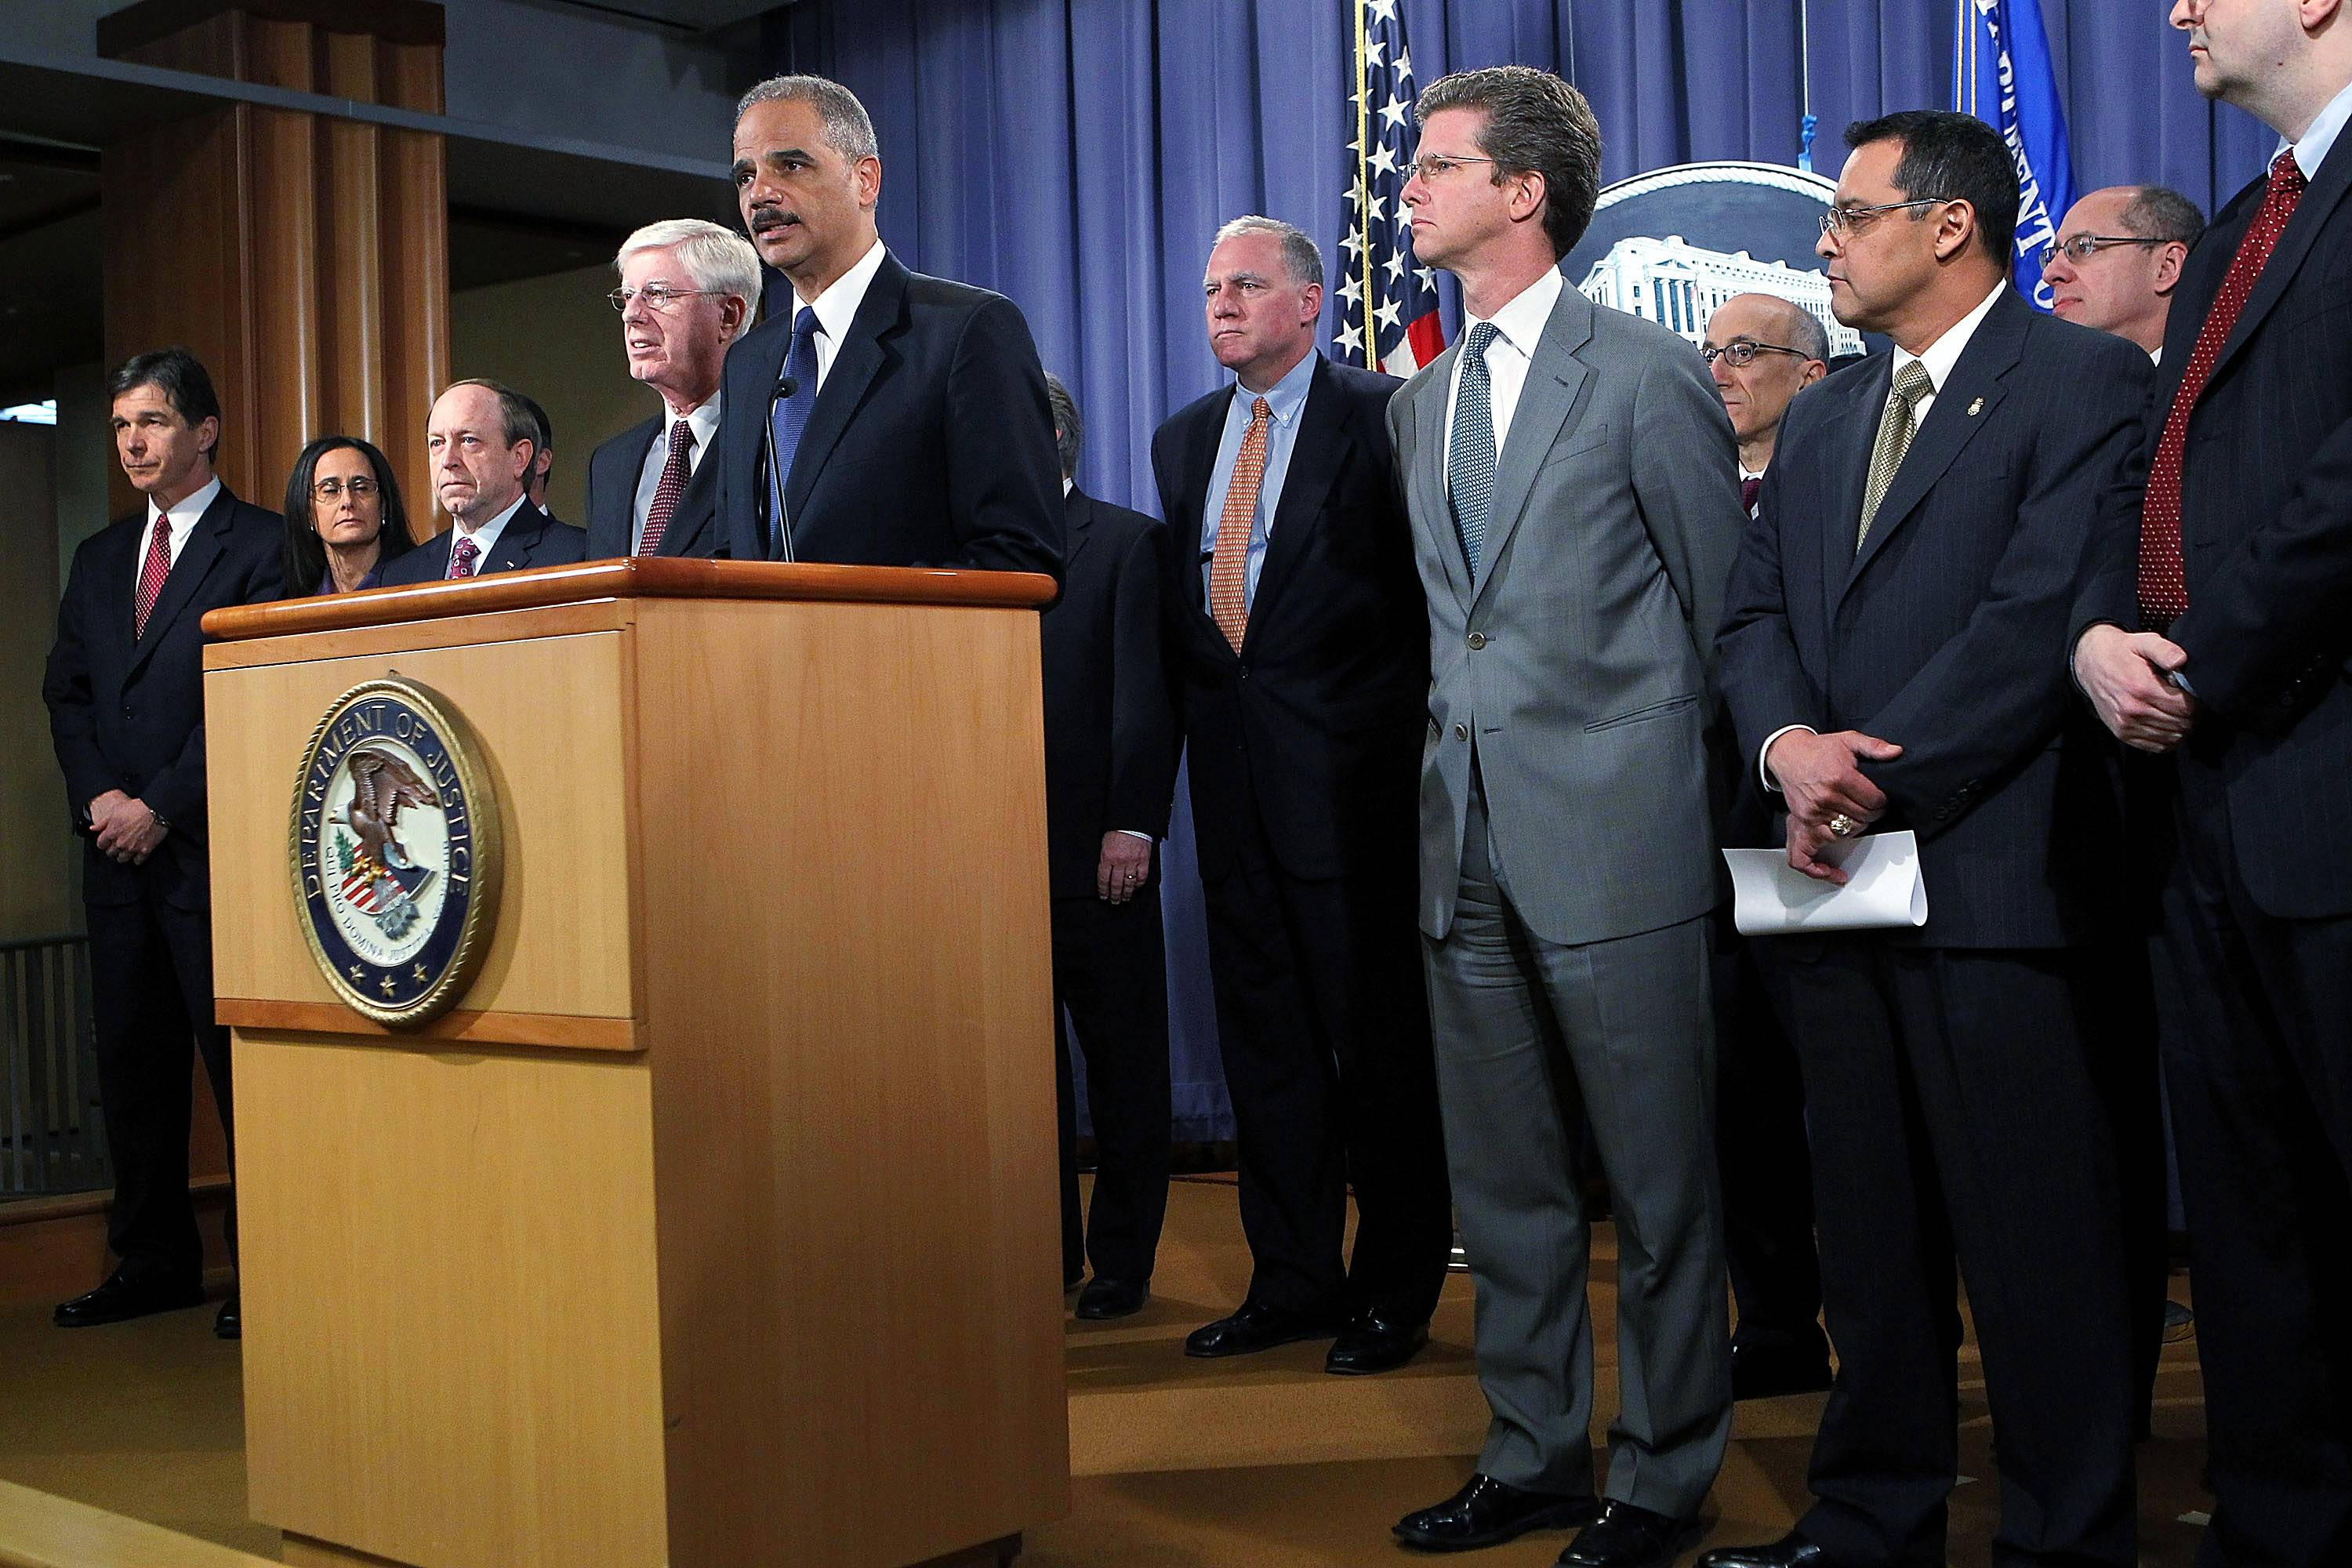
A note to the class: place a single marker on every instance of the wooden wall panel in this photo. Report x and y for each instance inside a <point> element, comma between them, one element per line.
<point>305,260</point>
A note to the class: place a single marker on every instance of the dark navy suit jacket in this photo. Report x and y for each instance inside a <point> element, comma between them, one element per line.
<point>129,713</point>
<point>531,538</point>
<point>2266,525</point>
<point>1948,632</point>
<point>1317,723</point>
<point>614,470</point>
<point>931,442</point>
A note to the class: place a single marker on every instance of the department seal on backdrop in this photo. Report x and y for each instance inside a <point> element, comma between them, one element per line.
<point>396,850</point>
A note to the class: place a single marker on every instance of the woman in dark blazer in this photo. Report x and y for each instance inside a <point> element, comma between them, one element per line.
<point>343,517</point>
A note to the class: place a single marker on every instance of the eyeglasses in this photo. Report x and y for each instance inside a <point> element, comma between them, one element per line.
<point>1431,165</point>
<point>2081,248</point>
<point>1743,351</point>
<point>362,487</point>
<point>1842,221</point>
<point>656,296</point>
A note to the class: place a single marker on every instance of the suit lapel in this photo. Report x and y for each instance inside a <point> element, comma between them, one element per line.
<point>517,539</point>
<point>197,558</point>
<point>1839,505</point>
<point>617,499</point>
<point>695,509</point>
<point>1428,479</point>
<point>1315,459</point>
<point>1077,511</point>
<point>853,370</point>
<point>1555,376</point>
<point>1199,459</point>
<point>2320,199</point>
<point>1970,392</point>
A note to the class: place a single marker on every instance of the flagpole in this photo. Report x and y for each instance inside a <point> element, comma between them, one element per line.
<point>1806,123</point>
<point>1364,186</point>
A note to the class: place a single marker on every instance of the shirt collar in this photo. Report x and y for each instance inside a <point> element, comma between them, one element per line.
<point>837,306</point>
<point>1944,352</point>
<point>1286,397</point>
<point>703,421</point>
<point>1522,321</point>
<point>484,535</point>
<point>188,509</point>
<point>2311,148</point>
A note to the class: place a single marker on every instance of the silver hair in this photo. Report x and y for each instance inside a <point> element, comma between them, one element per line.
<point>715,258</point>
<point>846,124</point>
<point>1300,256</point>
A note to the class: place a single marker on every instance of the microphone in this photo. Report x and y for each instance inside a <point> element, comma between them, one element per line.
<point>787,385</point>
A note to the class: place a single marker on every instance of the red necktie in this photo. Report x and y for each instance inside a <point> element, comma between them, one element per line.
<point>2163,587</point>
<point>461,558</point>
<point>1749,489</point>
<point>669,487</point>
<point>152,574</point>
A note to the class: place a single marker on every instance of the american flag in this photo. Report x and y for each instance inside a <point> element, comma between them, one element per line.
<point>1388,305</point>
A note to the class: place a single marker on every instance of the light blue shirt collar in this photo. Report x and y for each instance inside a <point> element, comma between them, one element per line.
<point>1286,397</point>
<point>2311,148</point>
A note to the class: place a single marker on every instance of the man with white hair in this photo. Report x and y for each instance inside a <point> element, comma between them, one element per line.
<point>687,291</point>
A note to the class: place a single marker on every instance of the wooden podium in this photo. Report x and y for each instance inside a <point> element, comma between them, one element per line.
<point>715,1225</point>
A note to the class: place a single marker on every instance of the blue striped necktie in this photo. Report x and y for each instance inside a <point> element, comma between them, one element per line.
<point>791,417</point>
<point>1470,453</point>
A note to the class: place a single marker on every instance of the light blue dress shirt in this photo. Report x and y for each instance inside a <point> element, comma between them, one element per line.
<point>1286,400</point>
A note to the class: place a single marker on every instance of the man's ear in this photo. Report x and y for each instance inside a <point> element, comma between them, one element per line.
<point>2169,255</point>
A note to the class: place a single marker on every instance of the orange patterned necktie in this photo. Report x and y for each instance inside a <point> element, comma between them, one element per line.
<point>1229,567</point>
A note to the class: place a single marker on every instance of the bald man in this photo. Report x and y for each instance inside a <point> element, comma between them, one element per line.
<point>1762,351</point>
<point>2117,257</point>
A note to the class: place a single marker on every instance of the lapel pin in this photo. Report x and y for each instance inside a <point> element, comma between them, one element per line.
<point>1976,408</point>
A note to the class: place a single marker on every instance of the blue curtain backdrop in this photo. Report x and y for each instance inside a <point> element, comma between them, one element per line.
<point>1078,156</point>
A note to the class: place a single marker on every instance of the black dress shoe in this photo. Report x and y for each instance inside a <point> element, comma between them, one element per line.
<point>230,1323</point>
<point>1105,1298</point>
<point>1791,1551</point>
<point>1761,1370</point>
<point>1627,1537</point>
<point>1371,1342</point>
<point>1256,1326</point>
<point>122,1298</point>
<point>1488,1512</point>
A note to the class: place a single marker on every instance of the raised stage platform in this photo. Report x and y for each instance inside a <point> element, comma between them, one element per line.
<point>1261,1463</point>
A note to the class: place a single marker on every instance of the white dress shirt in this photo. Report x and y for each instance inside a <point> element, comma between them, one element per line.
<point>181,519</point>
<point>485,538</point>
<point>703,422</point>
<point>837,307</point>
<point>1937,360</point>
<point>1518,328</point>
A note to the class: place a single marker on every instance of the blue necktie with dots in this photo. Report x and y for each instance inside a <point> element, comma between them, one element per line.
<point>1470,455</point>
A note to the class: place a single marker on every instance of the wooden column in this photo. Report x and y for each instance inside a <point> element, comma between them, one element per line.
<point>305,258</point>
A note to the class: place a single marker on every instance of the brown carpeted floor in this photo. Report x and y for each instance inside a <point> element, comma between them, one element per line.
<point>1261,1463</point>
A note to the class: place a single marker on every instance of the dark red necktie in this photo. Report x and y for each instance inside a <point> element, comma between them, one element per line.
<point>2163,587</point>
<point>461,558</point>
<point>157,567</point>
<point>669,487</point>
<point>1748,491</point>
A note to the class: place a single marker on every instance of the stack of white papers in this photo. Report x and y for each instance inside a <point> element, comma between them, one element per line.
<point>1883,890</point>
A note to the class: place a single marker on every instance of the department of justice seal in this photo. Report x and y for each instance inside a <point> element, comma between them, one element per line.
<point>395,851</point>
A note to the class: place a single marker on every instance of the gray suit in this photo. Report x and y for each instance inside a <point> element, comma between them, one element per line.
<point>1567,867</point>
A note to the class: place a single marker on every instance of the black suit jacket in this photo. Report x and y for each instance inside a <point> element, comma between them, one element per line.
<point>531,538</point>
<point>1110,733</point>
<point>614,470</point>
<point>931,442</point>
<point>1316,726</point>
<point>129,714</point>
<point>2266,544</point>
<point>1948,632</point>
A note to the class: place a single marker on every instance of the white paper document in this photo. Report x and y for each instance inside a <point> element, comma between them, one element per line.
<point>1883,890</point>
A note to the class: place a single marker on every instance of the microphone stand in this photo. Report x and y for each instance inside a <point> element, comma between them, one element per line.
<point>785,387</point>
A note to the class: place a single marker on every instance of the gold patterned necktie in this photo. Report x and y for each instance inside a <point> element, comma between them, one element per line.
<point>1895,427</point>
<point>1229,563</point>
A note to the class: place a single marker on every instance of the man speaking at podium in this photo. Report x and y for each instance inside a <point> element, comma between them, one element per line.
<point>906,415</point>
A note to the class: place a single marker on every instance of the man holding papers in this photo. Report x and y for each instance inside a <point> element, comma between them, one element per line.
<point>1888,658</point>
